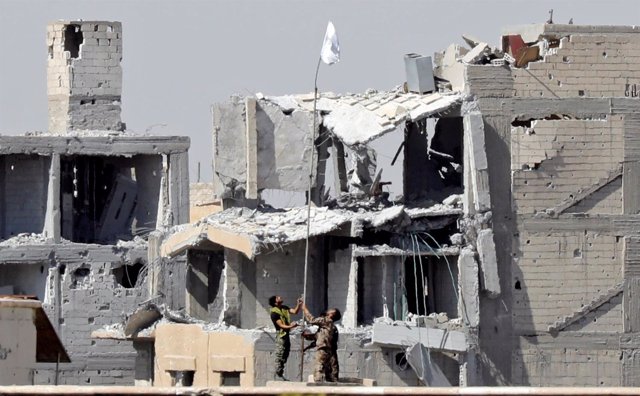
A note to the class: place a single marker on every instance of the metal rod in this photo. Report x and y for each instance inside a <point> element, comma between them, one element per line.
<point>306,249</point>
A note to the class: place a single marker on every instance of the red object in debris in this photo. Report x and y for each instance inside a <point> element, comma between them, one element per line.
<point>513,45</point>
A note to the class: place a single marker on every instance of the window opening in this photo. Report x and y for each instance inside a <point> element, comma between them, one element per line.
<point>230,378</point>
<point>73,38</point>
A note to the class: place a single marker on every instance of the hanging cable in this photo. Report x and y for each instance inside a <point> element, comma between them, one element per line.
<point>453,282</point>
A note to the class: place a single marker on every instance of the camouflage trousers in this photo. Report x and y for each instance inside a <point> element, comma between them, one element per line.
<point>327,368</point>
<point>283,346</point>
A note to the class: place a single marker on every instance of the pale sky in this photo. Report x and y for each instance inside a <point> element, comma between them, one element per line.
<point>182,56</point>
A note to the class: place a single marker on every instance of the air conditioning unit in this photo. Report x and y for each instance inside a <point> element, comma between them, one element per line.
<point>419,71</point>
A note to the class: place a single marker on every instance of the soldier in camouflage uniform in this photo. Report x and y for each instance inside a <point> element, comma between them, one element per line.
<point>327,368</point>
<point>281,320</point>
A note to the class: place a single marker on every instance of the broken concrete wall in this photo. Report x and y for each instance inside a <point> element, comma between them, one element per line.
<point>488,84</point>
<point>570,170</point>
<point>81,295</point>
<point>584,65</point>
<point>23,213</point>
<point>84,76</point>
<point>280,167</point>
<point>229,142</point>
<point>433,159</point>
<point>275,165</point>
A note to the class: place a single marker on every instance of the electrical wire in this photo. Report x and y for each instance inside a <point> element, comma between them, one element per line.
<point>453,282</point>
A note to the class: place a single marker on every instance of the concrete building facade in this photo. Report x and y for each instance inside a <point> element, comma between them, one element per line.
<point>566,126</point>
<point>78,202</point>
<point>551,178</point>
<point>505,254</point>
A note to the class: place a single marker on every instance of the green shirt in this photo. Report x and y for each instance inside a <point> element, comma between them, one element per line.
<point>281,313</point>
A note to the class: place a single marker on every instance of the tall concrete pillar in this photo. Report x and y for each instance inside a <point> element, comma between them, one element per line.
<point>84,77</point>
<point>52,216</point>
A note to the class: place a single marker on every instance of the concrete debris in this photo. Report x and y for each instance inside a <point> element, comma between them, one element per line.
<point>363,170</point>
<point>488,263</point>
<point>253,232</point>
<point>453,200</point>
<point>141,319</point>
<point>136,242</point>
<point>457,239</point>
<point>141,323</point>
<point>477,54</point>
<point>471,41</point>
<point>403,335</point>
<point>434,210</point>
<point>426,368</point>
<point>386,250</point>
<point>26,238</point>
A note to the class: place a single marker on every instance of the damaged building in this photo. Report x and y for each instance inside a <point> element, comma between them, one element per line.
<point>406,270</point>
<point>475,225</point>
<point>503,255</point>
<point>77,203</point>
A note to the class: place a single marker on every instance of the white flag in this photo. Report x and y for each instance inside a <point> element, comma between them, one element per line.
<point>330,53</point>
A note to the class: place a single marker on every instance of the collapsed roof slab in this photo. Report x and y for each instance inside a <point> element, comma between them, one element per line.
<point>254,232</point>
<point>359,119</point>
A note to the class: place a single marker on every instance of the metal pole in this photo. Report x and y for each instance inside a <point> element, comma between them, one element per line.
<point>306,249</point>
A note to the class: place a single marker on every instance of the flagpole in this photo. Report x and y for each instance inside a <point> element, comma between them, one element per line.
<point>306,250</point>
